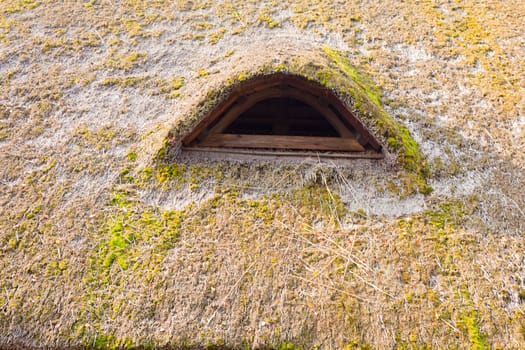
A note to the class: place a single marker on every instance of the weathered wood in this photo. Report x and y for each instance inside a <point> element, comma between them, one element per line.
<point>242,107</point>
<point>269,119</point>
<point>208,119</point>
<point>356,123</point>
<point>300,86</point>
<point>237,95</point>
<point>252,86</point>
<point>293,154</point>
<point>251,100</point>
<point>332,119</point>
<point>282,142</point>
<point>262,109</point>
<point>317,89</point>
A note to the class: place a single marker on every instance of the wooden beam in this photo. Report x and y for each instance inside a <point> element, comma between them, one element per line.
<point>265,109</point>
<point>277,81</point>
<point>251,100</point>
<point>208,119</point>
<point>280,153</point>
<point>282,142</point>
<point>246,104</point>
<point>271,119</point>
<point>356,123</point>
<point>333,119</point>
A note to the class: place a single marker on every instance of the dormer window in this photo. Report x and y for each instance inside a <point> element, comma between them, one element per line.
<point>280,113</point>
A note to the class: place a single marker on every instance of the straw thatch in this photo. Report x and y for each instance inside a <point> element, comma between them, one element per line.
<point>111,238</point>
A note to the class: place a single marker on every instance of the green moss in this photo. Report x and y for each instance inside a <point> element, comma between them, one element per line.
<point>365,83</point>
<point>176,83</point>
<point>132,156</point>
<point>242,76</point>
<point>115,248</point>
<point>21,5</point>
<point>34,212</point>
<point>132,239</point>
<point>5,28</point>
<point>110,342</point>
<point>469,321</point>
<point>120,200</point>
<point>201,72</point>
<point>126,62</point>
<point>125,233</point>
<point>122,82</point>
<point>171,87</point>
<point>132,27</point>
<point>477,339</point>
<point>125,176</point>
<point>51,44</point>
<point>267,21</point>
<point>398,136</point>
<point>201,26</point>
<point>13,243</point>
<point>170,172</point>
<point>215,37</point>
<point>288,346</point>
<point>392,142</point>
<point>173,175</point>
<point>408,154</point>
<point>114,42</point>
<point>448,213</point>
<point>357,345</point>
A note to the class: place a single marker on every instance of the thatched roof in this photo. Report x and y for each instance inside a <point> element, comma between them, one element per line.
<point>110,238</point>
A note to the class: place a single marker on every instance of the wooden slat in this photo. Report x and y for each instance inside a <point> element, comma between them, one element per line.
<point>300,84</point>
<point>250,86</point>
<point>208,119</point>
<point>251,100</point>
<point>315,88</point>
<point>293,154</point>
<point>284,108</point>
<point>356,123</point>
<point>333,119</point>
<point>282,142</point>
<point>270,120</point>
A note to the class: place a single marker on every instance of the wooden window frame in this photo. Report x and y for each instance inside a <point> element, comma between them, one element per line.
<point>354,140</point>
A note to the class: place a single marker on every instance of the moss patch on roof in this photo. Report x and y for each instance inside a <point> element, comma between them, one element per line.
<point>293,258</point>
<point>104,245</point>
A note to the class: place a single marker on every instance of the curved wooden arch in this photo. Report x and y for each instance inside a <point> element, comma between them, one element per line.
<point>262,95</point>
<point>353,136</point>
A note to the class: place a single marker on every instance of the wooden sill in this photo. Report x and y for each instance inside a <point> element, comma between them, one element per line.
<point>285,153</point>
<point>310,143</point>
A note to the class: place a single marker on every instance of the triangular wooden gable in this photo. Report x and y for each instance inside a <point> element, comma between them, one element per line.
<point>283,112</point>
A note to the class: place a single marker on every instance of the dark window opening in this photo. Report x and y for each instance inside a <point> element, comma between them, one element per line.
<point>281,116</point>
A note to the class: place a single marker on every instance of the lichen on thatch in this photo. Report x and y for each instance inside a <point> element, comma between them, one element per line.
<point>106,241</point>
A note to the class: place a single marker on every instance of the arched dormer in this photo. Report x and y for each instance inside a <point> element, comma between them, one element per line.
<point>280,112</point>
